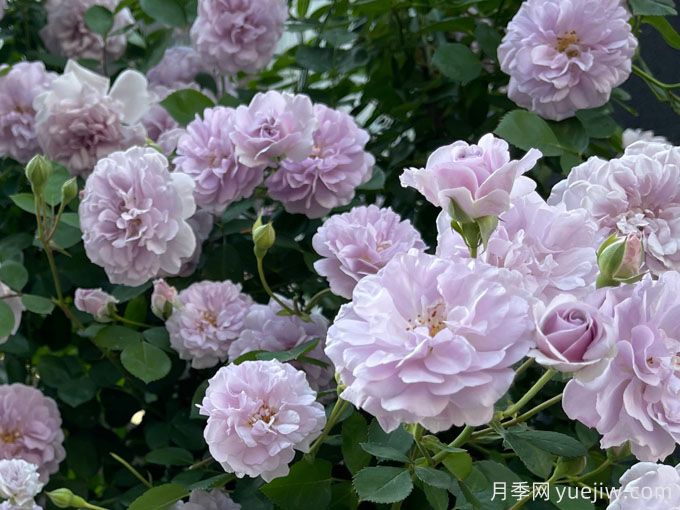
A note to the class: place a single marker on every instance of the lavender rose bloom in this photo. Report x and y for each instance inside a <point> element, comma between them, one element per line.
<point>208,318</point>
<point>133,215</point>
<point>204,500</point>
<point>101,305</point>
<point>565,56</point>
<point>273,127</point>
<point>636,399</point>
<point>80,120</point>
<point>30,428</point>
<point>636,193</point>
<point>265,330</point>
<point>480,178</point>
<point>430,341</point>
<point>160,127</point>
<point>360,242</point>
<point>238,35</point>
<point>14,304</point>
<point>259,413</point>
<point>18,89</point>
<point>19,482</point>
<point>67,35</point>
<point>573,336</point>
<point>330,175</point>
<point>207,155</point>
<point>164,299</point>
<point>177,69</point>
<point>630,136</point>
<point>552,248</point>
<point>647,485</point>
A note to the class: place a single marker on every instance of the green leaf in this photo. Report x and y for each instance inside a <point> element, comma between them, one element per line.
<point>497,472</point>
<point>571,135</point>
<point>552,442</point>
<point>315,58</point>
<point>145,361</point>
<point>13,274</point>
<point>527,130</point>
<point>383,484</point>
<point>170,456</point>
<point>376,182</point>
<point>488,39</point>
<point>598,122</point>
<point>117,338</point>
<point>384,452</point>
<point>434,477</point>
<point>437,498</point>
<point>6,319</point>
<point>653,7</point>
<point>99,19</point>
<point>354,432</point>
<point>302,8</point>
<point>37,304</point>
<point>71,219</point>
<point>52,191</point>
<point>559,500</point>
<point>538,461</point>
<point>666,30</point>
<point>308,485</point>
<point>77,391</point>
<point>160,498</point>
<point>399,439</point>
<point>183,105</point>
<point>459,463</point>
<point>168,12</point>
<point>24,201</point>
<point>457,62</point>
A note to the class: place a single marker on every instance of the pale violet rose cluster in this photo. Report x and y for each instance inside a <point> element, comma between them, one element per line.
<point>101,305</point>
<point>637,397</point>
<point>238,35</point>
<point>207,500</point>
<point>647,485</point>
<point>360,242</point>
<point>554,249</point>
<point>430,341</point>
<point>80,119</point>
<point>259,413</point>
<point>630,136</point>
<point>133,214</point>
<point>479,179</point>
<point>67,35</point>
<point>207,319</point>
<point>19,484</point>
<point>18,89</point>
<point>15,304</point>
<point>566,55</point>
<point>177,69</point>
<point>636,193</point>
<point>30,428</point>
<point>264,329</point>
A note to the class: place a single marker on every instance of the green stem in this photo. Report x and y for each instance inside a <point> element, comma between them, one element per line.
<point>417,438</point>
<point>122,319</point>
<point>270,292</point>
<point>132,470</point>
<point>315,299</point>
<point>601,468</point>
<point>462,438</point>
<point>523,367</point>
<point>533,391</point>
<point>336,413</point>
<point>524,417</point>
<point>648,77</point>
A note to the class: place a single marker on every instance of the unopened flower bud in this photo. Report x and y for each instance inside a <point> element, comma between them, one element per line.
<point>163,299</point>
<point>96,302</point>
<point>64,498</point>
<point>264,237</point>
<point>620,260</point>
<point>69,190</point>
<point>38,170</point>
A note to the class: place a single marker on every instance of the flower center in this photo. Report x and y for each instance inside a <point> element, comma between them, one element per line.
<point>432,319</point>
<point>566,44</point>
<point>265,414</point>
<point>9,437</point>
<point>209,318</point>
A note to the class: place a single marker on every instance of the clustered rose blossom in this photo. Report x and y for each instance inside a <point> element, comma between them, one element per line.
<point>201,224</point>
<point>177,69</point>
<point>259,413</point>
<point>274,126</point>
<point>636,193</point>
<point>19,483</point>
<point>101,305</point>
<point>15,304</point>
<point>207,154</point>
<point>30,428</point>
<point>630,136</point>
<point>636,397</point>
<point>647,485</point>
<point>265,330</point>
<point>164,299</point>
<point>478,179</point>
<point>160,127</point>
<point>207,319</point>
<point>360,242</point>
<point>430,341</point>
<point>204,500</point>
<point>67,35</point>
<point>329,176</point>
<point>80,120</point>
<point>238,35</point>
<point>18,89</point>
<point>552,248</point>
<point>133,214</point>
<point>574,336</point>
<point>565,56</point>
